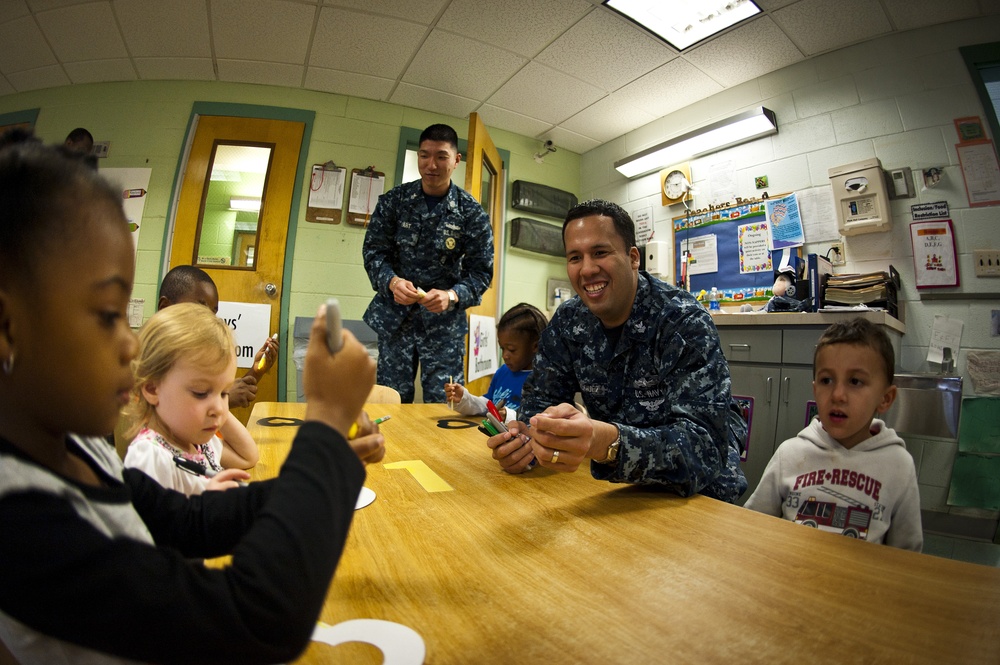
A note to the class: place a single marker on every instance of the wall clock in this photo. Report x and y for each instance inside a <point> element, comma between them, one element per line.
<point>675,181</point>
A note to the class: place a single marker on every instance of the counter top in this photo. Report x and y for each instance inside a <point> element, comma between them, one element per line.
<point>785,319</point>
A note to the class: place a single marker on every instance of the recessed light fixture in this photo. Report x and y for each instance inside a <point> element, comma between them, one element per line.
<point>682,23</point>
<point>245,204</point>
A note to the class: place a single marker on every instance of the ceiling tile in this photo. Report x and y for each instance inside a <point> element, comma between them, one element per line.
<point>816,26</point>
<point>746,52</point>
<point>12,9</point>
<point>670,87</point>
<point>607,119</point>
<point>181,69</point>
<point>494,116</point>
<point>23,47</point>
<point>166,28</point>
<point>908,14</point>
<point>45,5</point>
<point>82,32</point>
<point>522,26</point>
<point>36,79</point>
<point>543,93</point>
<point>418,11</point>
<point>262,30</point>
<point>5,87</point>
<point>355,42</point>
<point>479,71</point>
<point>605,50</point>
<point>769,5</point>
<point>263,73</point>
<point>348,83</point>
<point>433,100</point>
<point>99,71</point>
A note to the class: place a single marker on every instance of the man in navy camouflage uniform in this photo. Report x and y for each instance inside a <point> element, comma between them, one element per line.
<point>647,360</point>
<point>429,255</point>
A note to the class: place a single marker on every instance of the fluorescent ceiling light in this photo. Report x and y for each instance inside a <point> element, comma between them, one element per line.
<point>245,204</point>
<point>740,128</point>
<point>682,23</point>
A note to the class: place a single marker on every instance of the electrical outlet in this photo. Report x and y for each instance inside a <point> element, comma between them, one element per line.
<point>987,262</point>
<point>837,255</point>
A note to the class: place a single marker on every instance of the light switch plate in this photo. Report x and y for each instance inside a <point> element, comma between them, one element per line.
<point>987,262</point>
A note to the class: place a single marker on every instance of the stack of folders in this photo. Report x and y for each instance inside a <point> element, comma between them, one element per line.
<point>877,290</point>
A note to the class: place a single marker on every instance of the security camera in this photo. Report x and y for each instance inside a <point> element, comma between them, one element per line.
<point>549,144</point>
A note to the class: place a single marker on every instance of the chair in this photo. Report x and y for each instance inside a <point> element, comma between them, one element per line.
<point>383,395</point>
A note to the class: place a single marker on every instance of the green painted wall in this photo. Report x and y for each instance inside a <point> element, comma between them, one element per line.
<point>146,122</point>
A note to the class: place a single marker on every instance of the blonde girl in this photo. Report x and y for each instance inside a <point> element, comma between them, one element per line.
<point>180,406</point>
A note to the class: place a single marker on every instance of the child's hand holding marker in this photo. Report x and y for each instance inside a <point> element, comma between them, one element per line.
<point>365,438</point>
<point>453,391</point>
<point>266,357</point>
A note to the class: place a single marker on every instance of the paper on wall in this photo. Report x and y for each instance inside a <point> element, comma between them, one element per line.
<point>945,334</point>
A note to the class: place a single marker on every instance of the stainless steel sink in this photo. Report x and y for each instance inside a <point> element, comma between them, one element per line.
<point>926,405</point>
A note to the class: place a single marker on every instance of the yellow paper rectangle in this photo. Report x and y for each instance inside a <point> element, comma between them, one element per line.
<point>429,480</point>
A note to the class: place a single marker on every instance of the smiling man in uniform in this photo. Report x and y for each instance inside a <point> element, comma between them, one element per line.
<point>647,360</point>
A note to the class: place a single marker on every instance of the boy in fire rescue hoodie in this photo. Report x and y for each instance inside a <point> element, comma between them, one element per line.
<point>847,472</point>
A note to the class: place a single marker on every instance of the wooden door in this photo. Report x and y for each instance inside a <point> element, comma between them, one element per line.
<point>484,179</point>
<point>212,184</point>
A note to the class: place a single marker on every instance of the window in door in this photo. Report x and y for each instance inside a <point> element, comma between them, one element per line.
<point>228,225</point>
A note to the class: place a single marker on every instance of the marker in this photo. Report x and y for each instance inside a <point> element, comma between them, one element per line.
<point>497,424</point>
<point>263,358</point>
<point>493,410</point>
<point>490,430</point>
<point>354,426</point>
<point>451,379</point>
<point>420,293</point>
<point>193,467</point>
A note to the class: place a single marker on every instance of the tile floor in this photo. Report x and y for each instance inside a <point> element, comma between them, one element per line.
<point>962,549</point>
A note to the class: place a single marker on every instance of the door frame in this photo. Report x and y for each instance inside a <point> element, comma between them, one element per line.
<point>308,118</point>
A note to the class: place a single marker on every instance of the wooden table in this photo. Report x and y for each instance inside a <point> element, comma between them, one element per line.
<point>562,568</point>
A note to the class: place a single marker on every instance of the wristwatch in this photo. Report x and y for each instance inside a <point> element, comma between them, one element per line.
<point>612,450</point>
<point>452,299</point>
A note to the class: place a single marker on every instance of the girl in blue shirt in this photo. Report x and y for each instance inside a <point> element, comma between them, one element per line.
<point>517,333</point>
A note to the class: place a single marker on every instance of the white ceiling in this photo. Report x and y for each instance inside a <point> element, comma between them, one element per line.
<point>567,70</point>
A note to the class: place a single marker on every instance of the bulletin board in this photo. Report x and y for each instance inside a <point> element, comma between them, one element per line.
<point>691,230</point>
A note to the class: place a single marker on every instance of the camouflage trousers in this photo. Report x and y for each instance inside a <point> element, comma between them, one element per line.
<point>440,355</point>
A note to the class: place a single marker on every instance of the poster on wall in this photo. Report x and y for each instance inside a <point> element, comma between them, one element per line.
<point>133,184</point>
<point>482,346</point>
<point>784,222</point>
<point>703,255</point>
<point>643,219</point>
<point>754,255</point>
<point>934,260</point>
<point>981,173</point>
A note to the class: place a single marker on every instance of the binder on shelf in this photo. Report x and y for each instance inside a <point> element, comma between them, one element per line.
<point>817,269</point>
